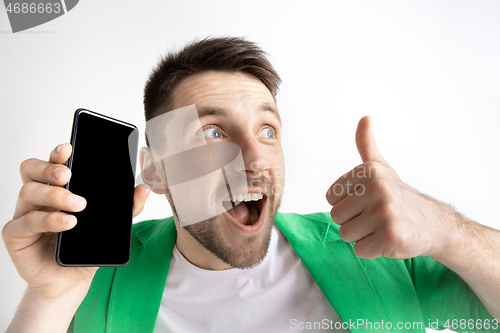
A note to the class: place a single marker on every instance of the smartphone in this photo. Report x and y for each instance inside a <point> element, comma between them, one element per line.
<point>103,172</point>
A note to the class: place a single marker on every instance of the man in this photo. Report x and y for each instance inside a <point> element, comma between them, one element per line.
<point>399,260</point>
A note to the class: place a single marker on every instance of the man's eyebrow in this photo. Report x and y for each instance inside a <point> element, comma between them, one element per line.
<point>204,111</point>
<point>271,108</point>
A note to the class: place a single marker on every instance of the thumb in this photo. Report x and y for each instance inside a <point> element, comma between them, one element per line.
<point>365,142</point>
<point>141,193</point>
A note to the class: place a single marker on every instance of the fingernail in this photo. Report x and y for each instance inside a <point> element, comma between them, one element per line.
<point>58,172</point>
<point>75,200</point>
<point>58,148</point>
<point>66,219</point>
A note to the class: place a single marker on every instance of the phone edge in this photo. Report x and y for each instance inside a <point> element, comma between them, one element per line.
<point>69,162</point>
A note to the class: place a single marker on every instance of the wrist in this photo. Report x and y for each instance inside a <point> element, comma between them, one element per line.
<point>443,230</point>
<point>39,313</point>
<point>47,294</point>
<point>450,236</point>
<point>74,295</point>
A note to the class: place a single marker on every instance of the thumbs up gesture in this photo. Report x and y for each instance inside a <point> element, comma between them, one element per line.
<point>380,213</point>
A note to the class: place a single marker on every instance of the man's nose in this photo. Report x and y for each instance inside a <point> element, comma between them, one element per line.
<point>254,156</point>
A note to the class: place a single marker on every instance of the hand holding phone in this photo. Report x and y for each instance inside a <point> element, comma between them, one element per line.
<point>31,235</point>
<point>103,172</point>
<point>42,210</point>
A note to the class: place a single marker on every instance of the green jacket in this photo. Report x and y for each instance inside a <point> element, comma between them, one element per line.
<point>127,299</point>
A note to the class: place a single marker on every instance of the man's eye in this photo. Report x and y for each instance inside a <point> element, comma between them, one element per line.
<point>267,133</point>
<point>212,133</point>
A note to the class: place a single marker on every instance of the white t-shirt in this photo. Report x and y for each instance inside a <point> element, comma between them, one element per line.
<point>279,295</point>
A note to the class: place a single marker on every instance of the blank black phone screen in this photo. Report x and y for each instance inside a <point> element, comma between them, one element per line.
<point>103,172</point>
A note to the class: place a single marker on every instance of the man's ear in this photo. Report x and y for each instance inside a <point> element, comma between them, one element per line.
<point>150,174</point>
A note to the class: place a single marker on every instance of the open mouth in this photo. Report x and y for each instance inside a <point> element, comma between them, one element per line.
<point>245,208</point>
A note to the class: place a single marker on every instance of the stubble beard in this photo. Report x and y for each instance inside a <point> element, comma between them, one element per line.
<point>247,251</point>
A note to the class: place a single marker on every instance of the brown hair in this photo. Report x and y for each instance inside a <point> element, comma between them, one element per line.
<point>228,54</point>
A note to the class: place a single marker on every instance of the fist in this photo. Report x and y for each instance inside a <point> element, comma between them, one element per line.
<point>377,211</point>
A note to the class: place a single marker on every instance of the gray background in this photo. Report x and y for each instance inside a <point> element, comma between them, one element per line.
<point>427,71</point>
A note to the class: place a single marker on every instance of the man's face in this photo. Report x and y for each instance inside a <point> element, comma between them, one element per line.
<point>238,108</point>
